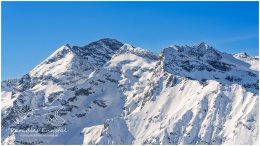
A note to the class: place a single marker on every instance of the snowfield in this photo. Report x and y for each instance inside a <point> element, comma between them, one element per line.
<point>108,92</point>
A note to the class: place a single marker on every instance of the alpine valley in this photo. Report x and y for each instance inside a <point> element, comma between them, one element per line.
<point>108,92</point>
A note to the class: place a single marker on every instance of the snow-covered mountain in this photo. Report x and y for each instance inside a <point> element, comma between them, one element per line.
<point>252,61</point>
<point>108,92</point>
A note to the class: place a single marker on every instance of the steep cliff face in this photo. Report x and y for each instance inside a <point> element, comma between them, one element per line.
<point>112,93</point>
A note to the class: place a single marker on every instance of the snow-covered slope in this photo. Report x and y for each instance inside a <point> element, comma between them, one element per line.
<point>112,93</point>
<point>253,61</point>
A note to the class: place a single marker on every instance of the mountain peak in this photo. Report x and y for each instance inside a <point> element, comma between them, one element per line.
<point>108,40</point>
<point>105,45</point>
<point>67,45</point>
<point>127,47</point>
<point>113,44</point>
<point>203,45</point>
<point>242,55</point>
<point>61,51</point>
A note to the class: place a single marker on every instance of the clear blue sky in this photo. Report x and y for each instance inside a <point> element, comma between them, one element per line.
<point>31,31</point>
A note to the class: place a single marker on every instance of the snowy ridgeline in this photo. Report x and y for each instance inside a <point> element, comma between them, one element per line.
<point>113,93</point>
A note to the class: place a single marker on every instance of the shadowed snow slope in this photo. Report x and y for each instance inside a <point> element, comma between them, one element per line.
<point>112,93</point>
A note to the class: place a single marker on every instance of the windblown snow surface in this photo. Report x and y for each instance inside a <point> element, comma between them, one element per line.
<point>108,92</point>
